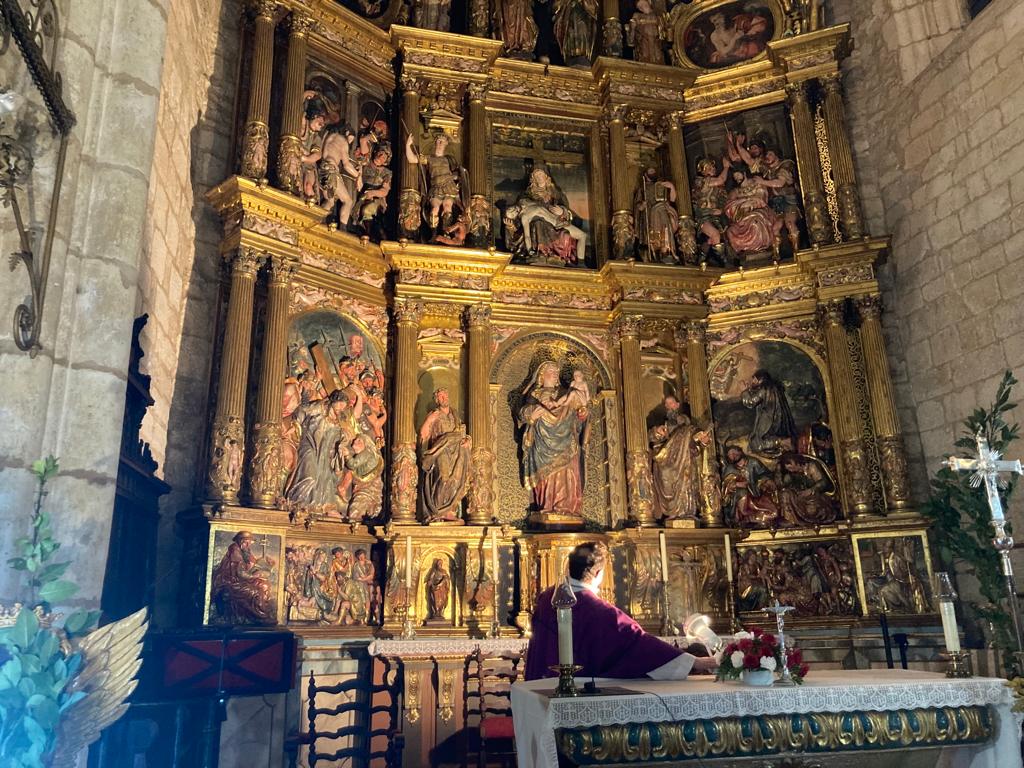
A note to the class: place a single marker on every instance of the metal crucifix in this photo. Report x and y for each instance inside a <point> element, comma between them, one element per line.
<point>987,469</point>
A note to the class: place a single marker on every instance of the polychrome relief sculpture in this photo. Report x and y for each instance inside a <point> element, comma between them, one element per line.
<point>329,585</point>
<point>676,446</point>
<point>655,218</point>
<point>445,451</point>
<point>446,202</point>
<point>542,227</point>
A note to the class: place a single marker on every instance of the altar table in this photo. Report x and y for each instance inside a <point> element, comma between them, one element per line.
<point>709,722</point>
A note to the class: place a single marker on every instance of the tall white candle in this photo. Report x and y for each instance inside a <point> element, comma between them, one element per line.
<point>664,557</point>
<point>728,558</point>
<point>494,558</point>
<point>948,614</point>
<point>408,562</point>
<point>565,636</point>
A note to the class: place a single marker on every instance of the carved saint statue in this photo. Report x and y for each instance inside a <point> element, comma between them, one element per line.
<point>364,574</point>
<point>447,184</point>
<point>373,198</point>
<point>339,175</point>
<point>709,205</point>
<point>313,483</point>
<point>433,14</point>
<point>774,429</point>
<point>644,34</point>
<point>676,447</point>
<point>806,491</point>
<point>438,584</point>
<point>542,221</point>
<point>554,434</point>
<point>445,450</point>
<point>517,27</point>
<point>576,29</point>
<point>240,587</point>
<point>361,484</point>
<point>656,219</point>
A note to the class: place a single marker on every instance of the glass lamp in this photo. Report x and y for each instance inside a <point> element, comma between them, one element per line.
<point>563,600</point>
<point>946,596</point>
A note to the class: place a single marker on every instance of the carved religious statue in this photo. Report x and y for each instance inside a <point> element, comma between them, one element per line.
<point>445,451</point>
<point>433,14</point>
<point>541,224</point>
<point>575,30</point>
<point>438,585</point>
<point>517,27</point>
<point>645,33</point>
<point>338,172</point>
<point>447,190</point>
<point>656,219</point>
<point>708,204</point>
<point>241,585</point>
<point>774,429</point>
<point>676,447</point>
<point>554,420</point>
<point>898,587</point>
<point>373,197</point>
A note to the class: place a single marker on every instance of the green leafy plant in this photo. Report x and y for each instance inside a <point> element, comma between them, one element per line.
<point>36,660</point>
<point>961,516</point>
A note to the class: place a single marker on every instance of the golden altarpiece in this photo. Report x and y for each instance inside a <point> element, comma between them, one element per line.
<point>582,272</point>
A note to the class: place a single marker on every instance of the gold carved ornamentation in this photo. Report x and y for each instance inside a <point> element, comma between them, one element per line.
<point>227,456</point>
<point>412,695</point>
<point>255,145</point>
<point>405,476</point>
<point>446,696</point>
<point>409,211</point>
<point>825,158</point>
<point>623,234</point>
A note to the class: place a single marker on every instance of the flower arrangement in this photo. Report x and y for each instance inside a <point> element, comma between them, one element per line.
<point>758,650</point>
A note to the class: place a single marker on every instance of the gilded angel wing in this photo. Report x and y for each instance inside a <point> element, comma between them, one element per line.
<point>111,659</point>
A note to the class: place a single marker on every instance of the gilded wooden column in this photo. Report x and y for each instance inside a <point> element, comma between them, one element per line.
<point>842,160</point>
<point>289,174</point>
<point>686,236</point>
<point>845,420</point>
<point>888,435</point>
<point>622,214</point>
<point>404,471</point>
<point>612,29</point>
<point>819,225</point>
<point>478,414</point>
<point>599,191</point>
<point>227,444</point>
<point>699,398</point>
<point>265,478</point>
<point>638,459</point>
<point>409,202</point>
<point>479,207</point>
<point>255,145</point>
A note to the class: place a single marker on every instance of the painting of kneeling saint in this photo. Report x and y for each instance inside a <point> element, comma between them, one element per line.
<point>771,420</point>
<point>244,577</point>
<point>895,573</point>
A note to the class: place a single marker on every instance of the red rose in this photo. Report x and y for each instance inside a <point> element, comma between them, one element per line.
<point>767,653</point>
<point>767,638</point>
<point>750,661</point>
<point>804,669</point>
<point>795,657</point>
<point>757,631</point>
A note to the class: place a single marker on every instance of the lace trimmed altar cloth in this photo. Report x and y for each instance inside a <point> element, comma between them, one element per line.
<point>537,715</point>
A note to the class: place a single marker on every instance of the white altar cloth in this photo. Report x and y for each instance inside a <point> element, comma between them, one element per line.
<point>537,716</point>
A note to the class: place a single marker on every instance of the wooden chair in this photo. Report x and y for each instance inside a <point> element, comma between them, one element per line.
<point>488,696</point>
<point>355,700</point>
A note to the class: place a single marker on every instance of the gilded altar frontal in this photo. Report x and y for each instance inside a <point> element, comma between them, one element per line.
<point>497,281</point>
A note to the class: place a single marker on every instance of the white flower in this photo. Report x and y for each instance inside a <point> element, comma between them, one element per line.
<point>769,663</point>
<point>743,636</point>
<point>736,659</point>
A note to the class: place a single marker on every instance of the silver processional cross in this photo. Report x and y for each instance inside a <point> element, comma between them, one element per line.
<point>987,469</point>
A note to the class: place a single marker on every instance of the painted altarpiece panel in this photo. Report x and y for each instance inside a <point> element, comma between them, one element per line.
<point>330,584</point>
<point>244,582</point>
<point>894,573</point>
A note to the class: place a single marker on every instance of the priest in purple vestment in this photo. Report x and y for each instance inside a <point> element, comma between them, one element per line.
<point>606,642</point>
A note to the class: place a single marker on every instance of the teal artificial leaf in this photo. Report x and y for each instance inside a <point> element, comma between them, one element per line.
<point>55,591</point>
<point>11,671</point>
<point>53,571</point>
<point>45,711</point>
<point>25,628</point>
<point>71,700</point>
<point>80,621</point>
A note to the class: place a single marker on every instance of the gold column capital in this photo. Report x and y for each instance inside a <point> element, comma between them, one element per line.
<point>408,311</point>
<point>477,316</point>
<point>477,91</point>
<point>245,261</point>
<point>627,327</point>
<point>693,331</point>
<point>300,24</point>
<point>263,9</point>
<point>282,269</point>
<point>830,314</point>
<point>410,83</point>
<point>833,83</point>
<point>796,93</point>
<point>870,307</point>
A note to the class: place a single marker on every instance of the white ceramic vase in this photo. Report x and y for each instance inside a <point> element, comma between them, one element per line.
<point>761,678</point>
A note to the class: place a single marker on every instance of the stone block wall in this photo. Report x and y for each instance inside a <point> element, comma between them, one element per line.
<point>178,282</point>
<point>939,148</point>
<point>68,400</point>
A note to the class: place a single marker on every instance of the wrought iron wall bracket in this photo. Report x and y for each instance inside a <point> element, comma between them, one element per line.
<point>33,32</point>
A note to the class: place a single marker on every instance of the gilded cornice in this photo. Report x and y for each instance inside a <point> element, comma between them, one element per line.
<point>429,52</point>
<point>656,290</point>
<point>811,55</point>
<point>747,87</point>
<point>657,87</point>
<point>567,288</point>
<point>559,91</point>
<point>845,269</point>
<point>338,34</point>
<point>339,251</point>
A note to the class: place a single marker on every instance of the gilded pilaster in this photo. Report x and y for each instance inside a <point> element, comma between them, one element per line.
<point>289,173</point>
<point>815,207</point>
<point>479,206</point>
<point>405,477</point>
<point>266,479</point>
<point>699,398</point>
<point>842,160</point>
<point>599,192</point>
<point>255,144</point>
<point>227,447</point>
<point>478,414</point>
<point>622,215</point>
<point>888,434</point>
<point>409,203</point>
<point>844,417</point>
<point>686,236</point>
<point>638,459</point>
<point>612,29</point>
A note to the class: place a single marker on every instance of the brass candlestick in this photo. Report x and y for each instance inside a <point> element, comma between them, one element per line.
<point>408,630</point>
<point>668,627</point>
<point>566,679</point>
<point>959,664</point>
